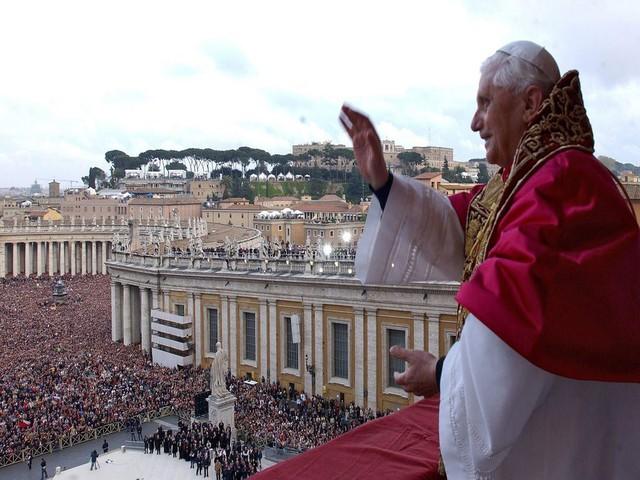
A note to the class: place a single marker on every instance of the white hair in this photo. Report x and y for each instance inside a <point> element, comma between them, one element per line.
<point>515,74</point>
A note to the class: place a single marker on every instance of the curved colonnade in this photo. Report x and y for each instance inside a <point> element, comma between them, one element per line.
<point>317,330</point>
<point>72,249</point>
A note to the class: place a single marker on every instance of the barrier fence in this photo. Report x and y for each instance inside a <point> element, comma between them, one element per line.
<point>70,440</point>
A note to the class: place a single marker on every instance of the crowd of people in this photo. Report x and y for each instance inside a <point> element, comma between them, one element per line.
<point>283,417</point>
<point>207,446</point>
<point>60,374</point>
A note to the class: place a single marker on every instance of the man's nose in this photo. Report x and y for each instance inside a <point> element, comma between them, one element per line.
<point>476,123</point>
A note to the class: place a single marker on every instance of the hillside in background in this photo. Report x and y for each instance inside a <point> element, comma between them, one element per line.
<point>617,167</point>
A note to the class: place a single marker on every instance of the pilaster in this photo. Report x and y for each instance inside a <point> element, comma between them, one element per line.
<point>360,364</point>
<point>264,338</point>
<point>197,319</point>
<point>308,347</point>
<point>318,360</point>
<point>233,335</point>
<point>273,347</point>
<point>372,354</point>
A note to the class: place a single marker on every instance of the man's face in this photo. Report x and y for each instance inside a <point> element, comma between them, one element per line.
<point>499,121</point>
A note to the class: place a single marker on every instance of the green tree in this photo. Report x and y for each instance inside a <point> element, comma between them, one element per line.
<point>226,182</point>
<point>317,187</point>
<point>175,165</point>
<point>96,175</point>
<point>446,172</point>
<point>410,162</point>
<point>483,173</point>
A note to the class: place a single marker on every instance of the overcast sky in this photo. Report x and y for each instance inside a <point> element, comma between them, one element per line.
<point>81,78</point>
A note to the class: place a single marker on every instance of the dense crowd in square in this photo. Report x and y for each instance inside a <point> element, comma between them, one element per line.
<point>60,375</point>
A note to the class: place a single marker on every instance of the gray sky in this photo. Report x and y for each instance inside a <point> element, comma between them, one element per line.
<point>81,78</point>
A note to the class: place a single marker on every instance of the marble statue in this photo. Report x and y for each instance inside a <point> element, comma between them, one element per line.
<point>217,372</point>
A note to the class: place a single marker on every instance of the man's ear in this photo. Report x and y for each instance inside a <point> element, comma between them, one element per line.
<point>533,98</point>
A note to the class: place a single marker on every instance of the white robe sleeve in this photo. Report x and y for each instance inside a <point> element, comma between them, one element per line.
<point>417,237</point>
<point>488,393</point>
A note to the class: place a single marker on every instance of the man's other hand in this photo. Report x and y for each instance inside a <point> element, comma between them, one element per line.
<point>366,147</point>
<point>420,375</point>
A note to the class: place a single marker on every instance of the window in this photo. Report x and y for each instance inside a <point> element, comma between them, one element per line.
<point>291,349</point>
<point>340,350</point>
<point>179,308</point>
<point>279,228</point>
<point>451,339</point>
<point>249,336</point>
<point>212,315</point>
<point>394,337</point>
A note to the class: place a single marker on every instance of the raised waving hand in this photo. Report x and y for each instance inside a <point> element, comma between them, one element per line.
<point>366,146</point>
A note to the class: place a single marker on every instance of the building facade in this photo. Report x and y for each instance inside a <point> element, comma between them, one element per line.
<point>281,229</point>
<point>237,215</point>
<point>77,205</point>
<point>316,329</point>
<point>434,157</point>
<point>205,189</point>
<point>168,207</point>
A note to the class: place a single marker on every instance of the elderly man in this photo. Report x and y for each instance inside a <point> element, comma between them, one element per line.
<point>543,382</point>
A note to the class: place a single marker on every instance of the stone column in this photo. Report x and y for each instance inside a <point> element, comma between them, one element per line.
<point>126,314</point>
<point>197,319</point>
<point>372,354</point>
<point>166,306</point>
<point>308,348</point>
<point>16,259</point>
<point>145,320</point>
<point>418,339</point>
<point>273,345</point>
<point>319,357</point>
<point>94,259</point>
<point>360,363</point>
<point>224,318</point>
<point>233,335</point>
<point>434,333</point>
<point>63,264</point>
<point>116,312</point>
<point>39,258</point>
<point>155,299</point>
<point>51,259</point>
<point>72,257</point>
<point>264,338</point>
<point>27,258</point>
<point>83,259</point>
<point>104,256</point>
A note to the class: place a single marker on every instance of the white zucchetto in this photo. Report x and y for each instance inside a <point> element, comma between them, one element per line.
<point>535,55</point>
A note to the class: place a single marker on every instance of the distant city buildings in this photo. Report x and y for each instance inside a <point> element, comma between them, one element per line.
<point>303,148</point>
